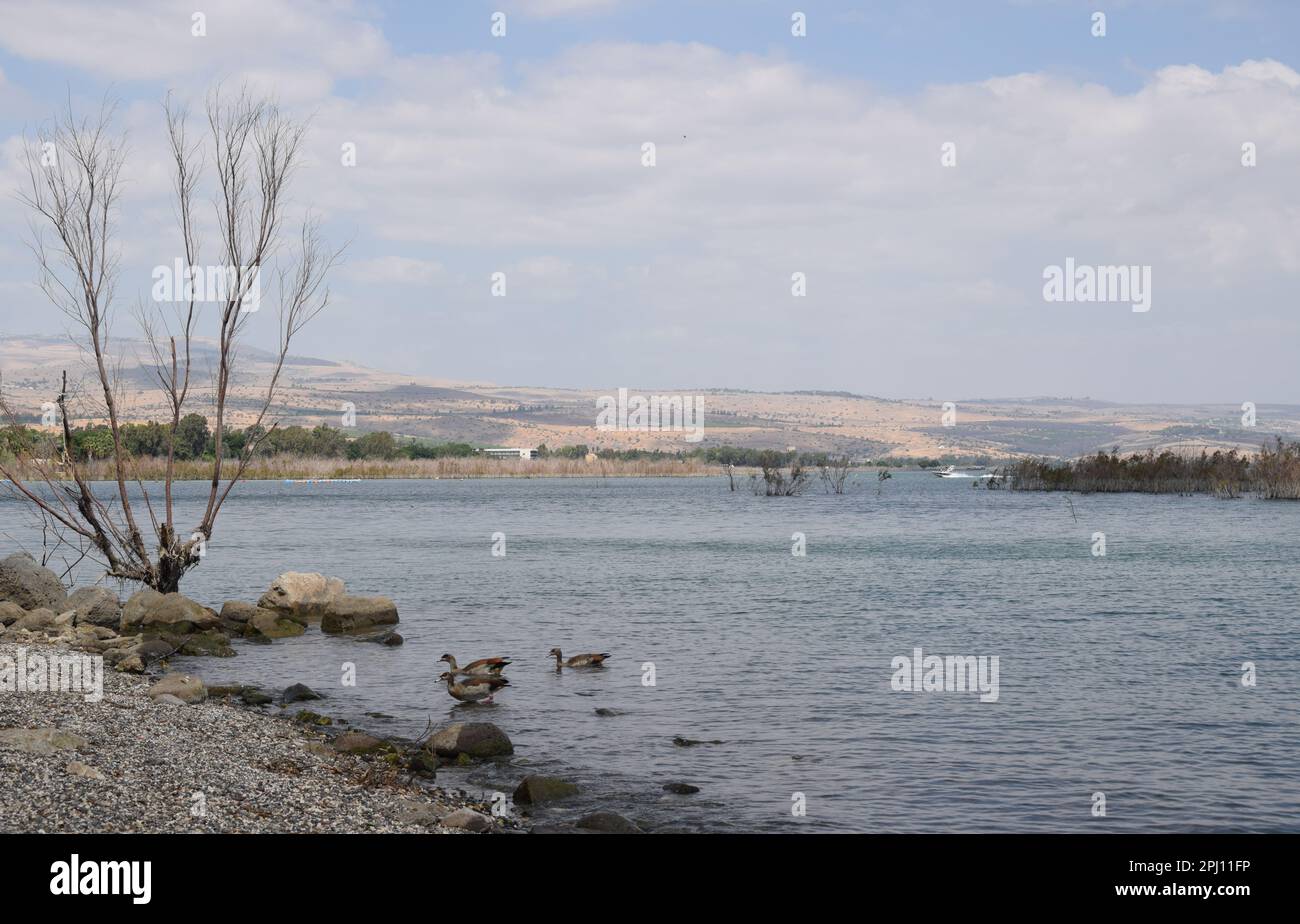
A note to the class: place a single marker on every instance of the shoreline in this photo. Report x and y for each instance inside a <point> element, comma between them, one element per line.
<point>132,763</point>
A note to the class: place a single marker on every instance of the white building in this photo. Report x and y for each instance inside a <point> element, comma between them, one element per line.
<point>510,453</point>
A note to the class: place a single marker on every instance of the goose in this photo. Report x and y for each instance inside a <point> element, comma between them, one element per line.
<point>483,667</point>
<point>582,660</point>
<point>473,689</point>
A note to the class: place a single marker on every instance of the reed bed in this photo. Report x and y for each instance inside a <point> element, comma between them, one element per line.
<point>304,467</point>
<point>1274,473</point>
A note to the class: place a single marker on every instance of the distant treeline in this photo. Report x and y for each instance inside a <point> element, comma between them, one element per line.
<point>1274,473</point>
<point>195,441</point>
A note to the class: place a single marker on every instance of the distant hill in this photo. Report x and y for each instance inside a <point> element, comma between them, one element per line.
<point>316,390</point>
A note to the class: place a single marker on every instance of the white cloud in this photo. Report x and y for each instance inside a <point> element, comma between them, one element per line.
<point>549,9</point>
<point>470,163</point>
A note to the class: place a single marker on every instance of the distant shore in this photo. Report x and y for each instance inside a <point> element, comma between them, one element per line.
<point>297,468</point>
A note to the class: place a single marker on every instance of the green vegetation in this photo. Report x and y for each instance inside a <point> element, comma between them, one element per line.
<point>1274,473</point>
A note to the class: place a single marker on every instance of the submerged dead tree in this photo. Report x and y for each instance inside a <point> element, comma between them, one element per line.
<point>250,149</point>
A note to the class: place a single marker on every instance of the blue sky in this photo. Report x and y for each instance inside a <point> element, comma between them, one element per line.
<point>776,155</point>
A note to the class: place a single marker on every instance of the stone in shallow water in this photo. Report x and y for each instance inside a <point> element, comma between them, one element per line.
<point>350,614</point>
<point>475,739</point>
<point>302,594</point>
<point>681,789</point>
<point>534,790</point>
<point>298,693</point>
<point>608,823</point>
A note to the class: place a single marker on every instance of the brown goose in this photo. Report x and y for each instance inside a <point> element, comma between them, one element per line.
<point>473,689</point>
<point>582,660</point>
<point>483,667</point>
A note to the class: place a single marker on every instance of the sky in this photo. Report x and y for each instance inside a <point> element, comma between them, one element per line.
<point>921,164</point>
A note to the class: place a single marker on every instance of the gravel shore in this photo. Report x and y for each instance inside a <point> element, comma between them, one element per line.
<point>130,764</point>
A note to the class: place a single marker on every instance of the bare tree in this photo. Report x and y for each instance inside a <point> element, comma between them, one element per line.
<point>834,474</point>
<point>73,177</point>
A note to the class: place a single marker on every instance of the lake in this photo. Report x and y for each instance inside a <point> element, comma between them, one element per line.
<point>1118,674</point>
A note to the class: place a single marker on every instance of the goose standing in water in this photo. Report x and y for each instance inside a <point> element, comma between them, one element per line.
<point>473,689</point>
<point>483,667</point>
<point>582,660</point>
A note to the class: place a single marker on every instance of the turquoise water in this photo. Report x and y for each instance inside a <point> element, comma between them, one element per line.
<point>1118,674</point>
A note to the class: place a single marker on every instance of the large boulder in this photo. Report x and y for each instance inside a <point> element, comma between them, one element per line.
<point>185,687</point>
<point>25,582</point>
<point>95,606</point>
<point>302,595</point>
<point>173,613</point>
<point>534,790</point>
<point>358,614</point>
<point>477,739</point>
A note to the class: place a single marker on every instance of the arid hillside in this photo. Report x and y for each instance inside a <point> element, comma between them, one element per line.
<point>485,414</point>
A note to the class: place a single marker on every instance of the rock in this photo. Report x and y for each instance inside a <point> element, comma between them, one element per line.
<point>534,790</point>
<point>77,768</point>
<point>238,611</point>
<point>131,664</point>
<point>174,612</point>
<point>467,820</point>
<point>608,823</point>
<point>307,717</point>
<point>692,742</point>
<point>25,582</point>
<point>607,713</point>
<point>302,595</point>
<point>10,613</point>
<point>357,614</point>
<point>95,606</point>
<point>225,690</point>
<point>389,639</point>
<point>298,693</point>
<point>681,789</point>
<point>167,699</point>
<point>475,739</point>
<point>37,620</point>
<point>207,644</point>
<point>254,697</point>
<point>185,687</point>
<point>41,740</point>
<point>153,650</point>
<point>355,742</point>
<point>416,812</point>
<point>272,625</point>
